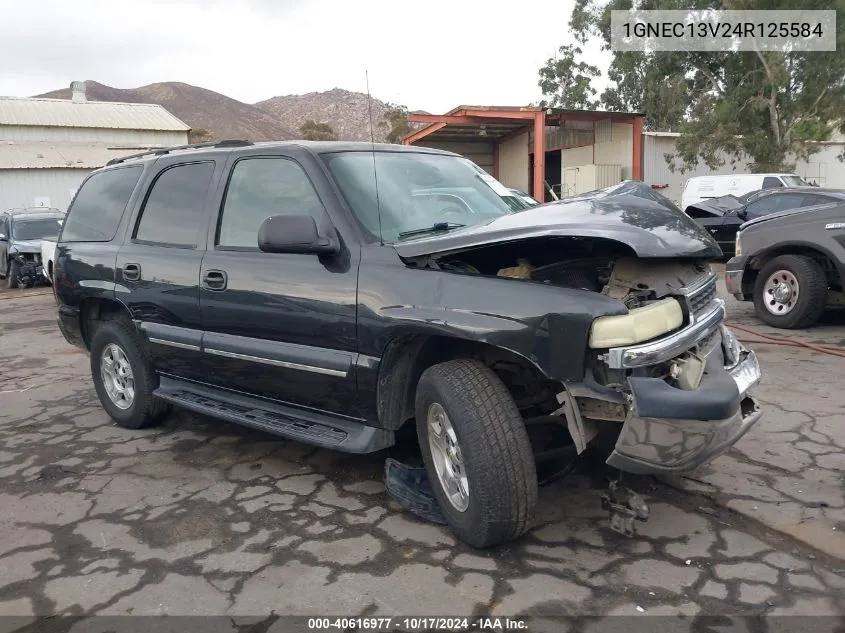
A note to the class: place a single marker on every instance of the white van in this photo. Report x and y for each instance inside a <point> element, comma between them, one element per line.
<point>699,188</point>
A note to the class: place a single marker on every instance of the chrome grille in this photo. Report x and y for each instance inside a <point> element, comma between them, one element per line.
<point>700,300</point>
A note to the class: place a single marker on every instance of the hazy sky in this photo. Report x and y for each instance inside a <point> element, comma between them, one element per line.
<point>430,54</point>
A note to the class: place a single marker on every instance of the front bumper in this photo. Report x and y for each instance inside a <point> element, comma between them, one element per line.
<point>671,430</point>
<point>734,271</point>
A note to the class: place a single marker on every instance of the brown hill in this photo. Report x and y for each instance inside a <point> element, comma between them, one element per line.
<point>202,109</point>
<point>345,111</point>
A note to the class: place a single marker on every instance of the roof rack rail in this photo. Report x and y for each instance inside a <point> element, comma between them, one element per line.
<point>166,150</point>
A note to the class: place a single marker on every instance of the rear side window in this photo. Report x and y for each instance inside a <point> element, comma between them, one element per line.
<point>770,182</point>
<point>173,213</point>
<point>95,212</point>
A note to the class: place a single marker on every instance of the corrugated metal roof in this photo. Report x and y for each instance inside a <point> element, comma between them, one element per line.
<point>96,114</point>
<point>17,155</point>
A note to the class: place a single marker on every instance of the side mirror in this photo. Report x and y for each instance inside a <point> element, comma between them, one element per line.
<point>742,214</point>
<point>294,234</point>
<point>2,237</point>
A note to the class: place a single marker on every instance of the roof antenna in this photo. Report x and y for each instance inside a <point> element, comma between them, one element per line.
<point>373,144</point>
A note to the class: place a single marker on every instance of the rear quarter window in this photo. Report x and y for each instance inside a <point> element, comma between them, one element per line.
<point>98,206</point>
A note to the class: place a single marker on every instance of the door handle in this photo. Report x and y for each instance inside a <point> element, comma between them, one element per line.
<point>214,280</point>
<point>131,272</point>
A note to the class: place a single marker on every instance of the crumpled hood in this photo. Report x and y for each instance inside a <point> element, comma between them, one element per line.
<point>26,246</point>
<point>718,206</point>
<point>631,213</point>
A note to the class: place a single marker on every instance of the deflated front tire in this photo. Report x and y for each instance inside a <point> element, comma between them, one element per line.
<point>476,451</point>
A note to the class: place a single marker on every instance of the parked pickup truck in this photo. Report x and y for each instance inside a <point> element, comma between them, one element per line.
<point>791,263</point>
<point>310,290</point>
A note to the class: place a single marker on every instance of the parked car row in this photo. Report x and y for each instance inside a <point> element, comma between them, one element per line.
<point>700,188</point>
<point>722,217</point>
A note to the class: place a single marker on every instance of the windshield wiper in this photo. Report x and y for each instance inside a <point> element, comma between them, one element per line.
<point>434,228</point>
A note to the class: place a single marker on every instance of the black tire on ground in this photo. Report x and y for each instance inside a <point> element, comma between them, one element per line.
<point>145,410</point>
<point>13,270</point>
<point>495,450</point>
<point>812,292</point>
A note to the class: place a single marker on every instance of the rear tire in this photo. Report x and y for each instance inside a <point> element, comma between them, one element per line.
<point>13,270</point>
<point>117,340</point>
<point>790,292</point>
<point>493,450</point>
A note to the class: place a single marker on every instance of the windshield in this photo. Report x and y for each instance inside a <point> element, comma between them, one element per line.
<point>416,191</point>
<point>794,181</point>
<point>36,229</point>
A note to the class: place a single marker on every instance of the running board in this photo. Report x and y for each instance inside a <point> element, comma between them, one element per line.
<point>303,426</point>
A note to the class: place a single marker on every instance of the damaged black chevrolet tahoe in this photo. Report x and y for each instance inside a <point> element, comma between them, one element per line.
<point>333,292</point>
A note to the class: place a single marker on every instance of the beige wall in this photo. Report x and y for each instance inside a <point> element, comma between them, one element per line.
<point>614,146</point>
<point>618,150</point>
<point>162,138</point>
<point>481,153</point>
<point>513,163</point>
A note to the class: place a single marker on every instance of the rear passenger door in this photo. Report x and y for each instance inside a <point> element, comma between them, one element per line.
<point>158,266</point>
<point>279,325</point>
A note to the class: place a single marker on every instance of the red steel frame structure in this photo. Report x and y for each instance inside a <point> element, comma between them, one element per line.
<point>501,123</point>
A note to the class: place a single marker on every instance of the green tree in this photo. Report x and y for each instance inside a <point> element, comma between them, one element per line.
<point>566,81</point>
<point>765,105</point>
<point>313,131</point>
<point>199,135</point>
<point>396,118</point>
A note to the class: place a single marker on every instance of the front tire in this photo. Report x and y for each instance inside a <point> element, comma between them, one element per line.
<point>123,377</point>
<point>13,271</point>
<point>477,452</point>
<point>790,292</point>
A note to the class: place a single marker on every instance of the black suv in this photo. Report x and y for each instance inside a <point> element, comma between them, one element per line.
<point>333,292</point>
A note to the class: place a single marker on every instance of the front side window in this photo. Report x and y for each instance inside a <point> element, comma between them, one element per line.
<point>174,211</point>
<point>96,210</point>
<point>401,193</point>
<point>259,188</point>
<point>36,229</point>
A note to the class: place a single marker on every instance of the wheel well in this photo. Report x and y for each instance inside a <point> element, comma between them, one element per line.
<point>407,357</point>
<point>93,311</point>
<point>757,263</point>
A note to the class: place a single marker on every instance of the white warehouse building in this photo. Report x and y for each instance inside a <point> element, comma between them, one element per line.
<point>48,146</point>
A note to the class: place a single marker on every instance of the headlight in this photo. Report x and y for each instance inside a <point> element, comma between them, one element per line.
<point>640,324</point>
<point>737,246</point>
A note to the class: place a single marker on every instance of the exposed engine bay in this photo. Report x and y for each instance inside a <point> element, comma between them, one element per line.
<point>597,265</point>
<point>29,268</point>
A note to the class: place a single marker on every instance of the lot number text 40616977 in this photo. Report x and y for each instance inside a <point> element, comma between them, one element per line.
<point>445,624</point>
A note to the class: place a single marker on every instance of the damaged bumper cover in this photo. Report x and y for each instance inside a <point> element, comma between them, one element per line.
<point>672,430</point>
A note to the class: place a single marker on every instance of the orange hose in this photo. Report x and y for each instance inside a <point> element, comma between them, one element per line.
<point>772,340</point>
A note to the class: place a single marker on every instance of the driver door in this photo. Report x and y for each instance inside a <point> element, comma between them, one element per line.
<point>278,325</point>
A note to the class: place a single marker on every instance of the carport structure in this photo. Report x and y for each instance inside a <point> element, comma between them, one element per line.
<point>505,140</point>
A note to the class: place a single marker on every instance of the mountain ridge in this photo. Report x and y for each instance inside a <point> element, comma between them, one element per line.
<point>214,116</point>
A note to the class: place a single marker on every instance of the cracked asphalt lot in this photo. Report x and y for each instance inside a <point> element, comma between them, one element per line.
<point>202,517</point>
